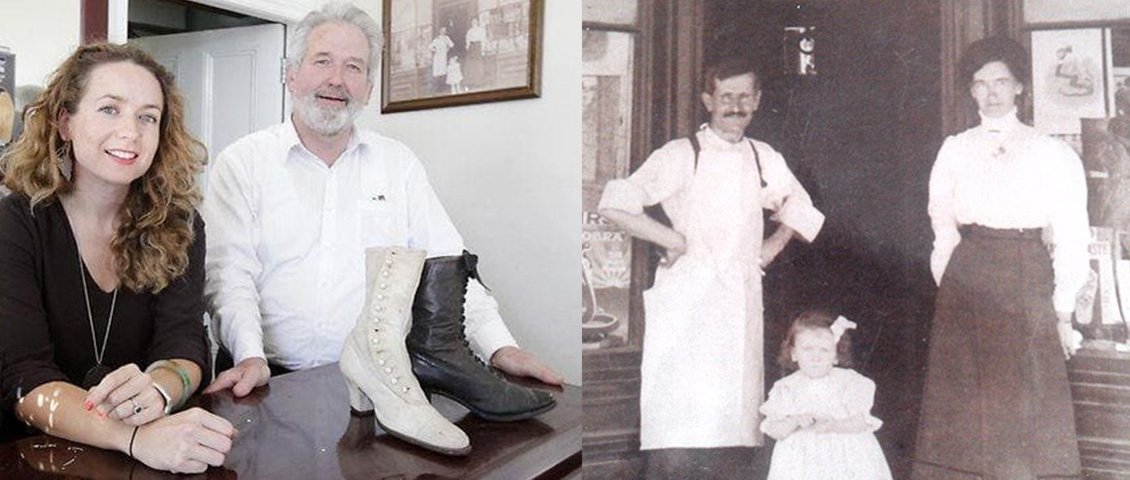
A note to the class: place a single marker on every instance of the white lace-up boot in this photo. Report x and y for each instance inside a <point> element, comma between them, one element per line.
<point>375,361</point>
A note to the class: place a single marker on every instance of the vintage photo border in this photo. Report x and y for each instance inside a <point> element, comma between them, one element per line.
<point>531,89</point>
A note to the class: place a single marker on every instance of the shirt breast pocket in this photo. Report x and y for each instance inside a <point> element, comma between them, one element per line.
<point>285,234</point>
<point>377,224</point>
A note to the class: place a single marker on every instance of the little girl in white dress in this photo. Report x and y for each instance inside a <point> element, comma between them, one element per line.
<point>455,75</point>
<point>820,414</point>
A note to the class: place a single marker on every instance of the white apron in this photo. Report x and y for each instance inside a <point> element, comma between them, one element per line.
<point>701,380</point>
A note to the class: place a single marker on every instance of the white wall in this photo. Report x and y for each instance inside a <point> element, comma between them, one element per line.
<point>509,174</point>
<point>41,33</point>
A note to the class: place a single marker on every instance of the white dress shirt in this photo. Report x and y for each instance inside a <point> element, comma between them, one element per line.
<point>1005,174</point>
<point>666,175</point>
<point>287,236</point>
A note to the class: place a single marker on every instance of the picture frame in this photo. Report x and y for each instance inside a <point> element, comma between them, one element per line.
<point>443,53</point>
<point>610,12</point>
<point>1118,66</point>
<point>1067,79</point>
<point>1055,12</point>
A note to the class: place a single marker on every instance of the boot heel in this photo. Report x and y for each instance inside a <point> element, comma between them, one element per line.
<point>375,362</point>
<point>359,403</point>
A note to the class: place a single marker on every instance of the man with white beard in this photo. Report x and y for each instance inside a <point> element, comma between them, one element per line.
<point>291,209</point>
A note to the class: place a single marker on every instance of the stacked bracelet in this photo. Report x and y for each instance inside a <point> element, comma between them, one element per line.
<point>165,395</point>
<point>185,381</point>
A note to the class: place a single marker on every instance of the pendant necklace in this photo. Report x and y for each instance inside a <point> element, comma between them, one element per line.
<point>98,371</point>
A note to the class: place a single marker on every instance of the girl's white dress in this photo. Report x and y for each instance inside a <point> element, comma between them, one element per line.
<point>828,456</point>
<point>454,73</point>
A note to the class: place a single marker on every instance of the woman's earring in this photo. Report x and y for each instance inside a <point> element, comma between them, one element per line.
<point>66,161</point>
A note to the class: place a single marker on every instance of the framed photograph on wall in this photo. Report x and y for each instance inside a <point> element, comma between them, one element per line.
<point>441,53</point>
<point>610,12</point>
<point>1057,11</point>
<point>1067,79</point>
<point>1119,68</point>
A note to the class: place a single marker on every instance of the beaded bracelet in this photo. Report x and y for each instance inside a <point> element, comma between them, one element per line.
<point>185,380</point>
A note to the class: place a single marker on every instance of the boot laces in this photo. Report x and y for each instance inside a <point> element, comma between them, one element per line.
<point>467,342</point>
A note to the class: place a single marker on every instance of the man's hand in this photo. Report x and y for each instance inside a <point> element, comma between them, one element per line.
<point>772,246</point>
<point>674,252</point>
<point>241,379</point>
<point>517,362</point>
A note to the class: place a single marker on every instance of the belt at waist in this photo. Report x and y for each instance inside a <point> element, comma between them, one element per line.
<point>973,230</point>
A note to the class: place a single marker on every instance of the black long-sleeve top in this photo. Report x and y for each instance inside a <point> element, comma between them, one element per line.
<point>44,327</point>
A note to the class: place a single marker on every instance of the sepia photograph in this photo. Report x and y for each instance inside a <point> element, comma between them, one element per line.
<point>441,53</point>
<point>862,239</point>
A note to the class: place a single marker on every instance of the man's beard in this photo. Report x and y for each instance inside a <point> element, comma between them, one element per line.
<point>325,120</point>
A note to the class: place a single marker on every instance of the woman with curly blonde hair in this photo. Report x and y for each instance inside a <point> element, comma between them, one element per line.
<point>102,265</point>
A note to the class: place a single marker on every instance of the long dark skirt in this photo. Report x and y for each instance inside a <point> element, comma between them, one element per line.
<point>997,404</point>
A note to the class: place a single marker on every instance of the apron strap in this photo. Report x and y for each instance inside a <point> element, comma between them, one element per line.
<point>694,144</point>
<point>756,156</point>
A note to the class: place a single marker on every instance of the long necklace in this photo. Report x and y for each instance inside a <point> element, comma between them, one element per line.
<point>98,371</point>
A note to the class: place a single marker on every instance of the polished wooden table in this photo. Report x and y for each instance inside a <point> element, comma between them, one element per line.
<point>299,427</point>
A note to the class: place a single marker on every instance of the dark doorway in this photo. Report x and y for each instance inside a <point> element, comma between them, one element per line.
<point>861,135</point>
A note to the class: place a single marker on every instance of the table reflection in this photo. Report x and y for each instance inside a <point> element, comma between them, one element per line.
<point>300,427</point>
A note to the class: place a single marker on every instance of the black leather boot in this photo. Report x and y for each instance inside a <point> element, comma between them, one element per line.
<point>441,358</point>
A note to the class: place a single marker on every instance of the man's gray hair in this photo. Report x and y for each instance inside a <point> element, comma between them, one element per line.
<point>335,12</point>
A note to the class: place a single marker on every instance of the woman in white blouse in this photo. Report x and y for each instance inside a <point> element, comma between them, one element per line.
<point>1009,212</point>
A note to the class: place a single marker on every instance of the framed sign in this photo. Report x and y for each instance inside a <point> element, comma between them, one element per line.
<point>1067,79</point>
<point>1082,11</point>
<point>441,53</point>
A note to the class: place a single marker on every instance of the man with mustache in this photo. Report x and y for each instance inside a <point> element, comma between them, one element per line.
<point>701,372</point>
<point>291,209</point>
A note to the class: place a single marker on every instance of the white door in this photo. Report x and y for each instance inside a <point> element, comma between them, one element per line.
<point>231,80</point>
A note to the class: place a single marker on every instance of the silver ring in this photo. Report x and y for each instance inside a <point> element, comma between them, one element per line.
<point>136,407</point>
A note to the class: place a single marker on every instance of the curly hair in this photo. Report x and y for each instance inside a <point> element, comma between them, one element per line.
<point>814,320</point>
<point>150,247</point>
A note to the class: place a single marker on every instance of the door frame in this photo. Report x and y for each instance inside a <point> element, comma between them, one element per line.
<point>111,17</point>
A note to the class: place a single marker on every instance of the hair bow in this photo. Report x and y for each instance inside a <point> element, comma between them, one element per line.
<point>839,326</point>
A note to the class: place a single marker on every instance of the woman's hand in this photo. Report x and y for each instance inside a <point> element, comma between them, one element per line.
<point>127,394</point>
<point>187,442</point>
<point>1066,334</point>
